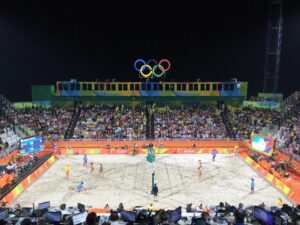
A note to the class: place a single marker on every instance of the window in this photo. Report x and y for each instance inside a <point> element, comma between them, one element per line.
<point>131,87</point>
<point>84,86</point>
<point>160,87</point>
<point>101,87</point>
<point>77,86</point>
<point>207,87</point>
<point>113,87</point>
<point>184,87</point>
<point>178,87</point>
<point>72,87</point>
<point>125,87</point>
<point>148,87</point>
<point>226,87</point>
<point>108,87</point>
<point>202,87</point>
<point>167,87</point>
<point>137,87</point>
<point>172,87</point>
<point>195,87</point>
<point>190,87</point>
<point>155,87</point>
<point>89,87</point>
<point>219,87</point>
<point>214,87</point>
<point>144,87</point>
<point>231,87</point>
<point>120,87</point>
<point>65,87</point>
<point>96,87</point>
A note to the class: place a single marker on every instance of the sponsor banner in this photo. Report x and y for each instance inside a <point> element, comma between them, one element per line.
<point>262,104</point>
<point>118,151</point>
<point>167,144</point>
<point>186,151</point>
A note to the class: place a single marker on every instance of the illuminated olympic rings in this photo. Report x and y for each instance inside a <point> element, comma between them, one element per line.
<point>152,67</point>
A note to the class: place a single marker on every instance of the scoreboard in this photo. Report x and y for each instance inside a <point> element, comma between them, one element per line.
<point>262,144</point>
<point>31,145</point>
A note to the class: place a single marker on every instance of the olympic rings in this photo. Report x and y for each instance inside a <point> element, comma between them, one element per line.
<point>161,69</point>
<point>149,68</point>
<point>153,69</point>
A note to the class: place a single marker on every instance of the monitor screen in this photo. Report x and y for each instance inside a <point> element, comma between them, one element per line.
<point>31,145</point>
<point>3,214</point>
<point>128,216</point>
<point>81,207</point>
<point>52,216</point>
<point>79,218</point>
<point>176,215</point>
<point>262,144</point>
<point>263,216</point>
<point>44,205</point>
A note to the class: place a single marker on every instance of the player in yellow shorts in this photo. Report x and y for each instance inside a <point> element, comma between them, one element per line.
<point>67,171</point>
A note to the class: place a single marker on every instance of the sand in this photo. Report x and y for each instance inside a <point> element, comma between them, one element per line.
<point>127,179</point>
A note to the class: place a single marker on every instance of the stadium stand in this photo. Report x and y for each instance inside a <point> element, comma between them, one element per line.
<point>164,121</point>
<point>190,122</point>
<point>110,122</point>
<point>244,121</point>
<point>52,123</point>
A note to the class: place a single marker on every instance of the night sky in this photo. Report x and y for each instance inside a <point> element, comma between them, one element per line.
<point>42,42</point>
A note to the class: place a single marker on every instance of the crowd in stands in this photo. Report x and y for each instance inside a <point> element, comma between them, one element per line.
<point>188,122</point>
<point>8,138</point>
<point>168,122</point>
<point>51,122</point>
<point>289,134</point>
<point>223,213</point>
<point>245,121</point>
<point>110,122</point>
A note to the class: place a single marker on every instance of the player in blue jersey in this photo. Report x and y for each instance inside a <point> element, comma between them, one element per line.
<point>214,154</point>
<point>252,185</point>
<point>85,160</point>
<point>80,187</point>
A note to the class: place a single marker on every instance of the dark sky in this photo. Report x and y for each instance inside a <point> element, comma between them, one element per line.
<point>45,41</point>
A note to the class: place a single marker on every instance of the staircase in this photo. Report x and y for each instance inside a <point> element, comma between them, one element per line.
<point>150,123</point>
<point>73,123</point>
<point>152,126</point>
<point>226,121</point>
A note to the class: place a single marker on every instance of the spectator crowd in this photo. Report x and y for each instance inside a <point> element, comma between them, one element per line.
<point>110,122</point>
<point>188,122</point>
<point>166,122</point>
<point>244,121</point>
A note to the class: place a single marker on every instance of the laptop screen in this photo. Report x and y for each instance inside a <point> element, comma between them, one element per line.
<point>44,205</point>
